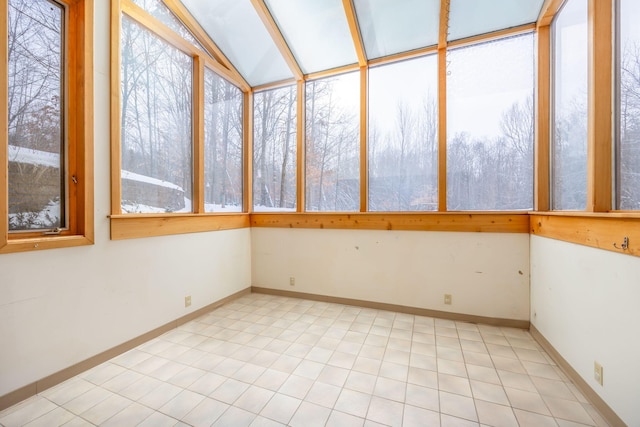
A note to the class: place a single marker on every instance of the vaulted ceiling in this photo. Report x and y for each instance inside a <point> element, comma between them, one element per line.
<point>273,40</point>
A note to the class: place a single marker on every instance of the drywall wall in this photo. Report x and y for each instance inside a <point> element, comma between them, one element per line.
<point>61,306</point>
<point>487,273</point>
<point>586,302</point>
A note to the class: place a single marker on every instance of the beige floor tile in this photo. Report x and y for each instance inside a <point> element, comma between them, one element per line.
<point>419,417</point>
<point>384,411</point>
<point>530,355</point>
<point>570,410</point>
<point>390,389</point>
<point>340,419</point>
<point>229,391</point>
<point>182,404</point>
<point>353,402</point>
<point>452,367</point>
<point>78,422</point>
<point>527,401</point>
<point>516,380</point>
<point>273,361</point>
<point>530,419</point>
<point>449,421</point>
<point>319,354</point>
<point>271,379</point>
<point>157,397</point>
<point>501,350</point>
<point>361,382</point>
<point>422,397</point>
<point>483,373</point>
<point>88,400</point>
<point>106,409</point>
<point>458,406</point>
<point>342,360</point>
<point>260,421</point>
<point>249,373</point>
<point>553,388</point>
<point>310,415</point>
<point>57,417</point>
<point>508,364</point>
<point>479,359</point>
<point>473,346</point>
<point>68,390</point>
<point>496,415</point>
<point>309,369</point>
<point>296,386</point>
<point>129,416</point>
<point>367,365</point>
<point>206,412</point>
<point>281,408</point>
<point>454,384</point>
<point>333,375</point>
<point>489,392</point>
<point>235,417</point>
<point>394,371</point>
<point>423,377</point>
<point>541,370</point>
<point>323,394</point>
<point>102,373</point>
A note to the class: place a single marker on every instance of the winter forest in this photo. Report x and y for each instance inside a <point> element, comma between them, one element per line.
<point>490,127</point>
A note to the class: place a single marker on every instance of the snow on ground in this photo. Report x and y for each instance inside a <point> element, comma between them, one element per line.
<point>132,176</point>
<point>33,157</point>
<point>46,218</point>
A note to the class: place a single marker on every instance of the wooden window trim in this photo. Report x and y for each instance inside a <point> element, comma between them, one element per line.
<point>79,144</point>
<point>128,226</point>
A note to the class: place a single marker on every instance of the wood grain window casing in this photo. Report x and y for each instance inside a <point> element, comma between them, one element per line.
<point>128,226</point>
<point>78,144</point>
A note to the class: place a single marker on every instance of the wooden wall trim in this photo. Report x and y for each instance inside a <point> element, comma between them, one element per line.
<point>40,385</point>
<point>605,231</point>
<point>431,221</point>
<point>598,403</point>
<point>135,226</point>
<point>601,95</point>
<point>471,318</point>
<point>542,146</point>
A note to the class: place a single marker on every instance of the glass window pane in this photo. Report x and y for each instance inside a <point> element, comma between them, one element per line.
<point>237,30</point>
<point>156,123</point>
<point>316,31</point>
<point>472,17</point>
<point>629,109</point>
<point>222,144</point>
<point>274,150</point>
<point>389,26</point>
<point>163,14</point>
<point>35,122</point>
<point>569,146</point>
<point>490,125</point>
<point>403,136</point>
<point>333,144</point>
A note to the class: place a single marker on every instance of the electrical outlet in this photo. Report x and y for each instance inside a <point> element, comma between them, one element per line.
<point>447,299</point>
<point>597,373</point>
<point>292,281</point>
<point>187,301</point>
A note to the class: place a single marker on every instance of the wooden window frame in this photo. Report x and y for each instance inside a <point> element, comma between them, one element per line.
<point>128,226</point>
<point>79,136</point>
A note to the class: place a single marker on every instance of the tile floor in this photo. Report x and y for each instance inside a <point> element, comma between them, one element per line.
<point>272,361</point>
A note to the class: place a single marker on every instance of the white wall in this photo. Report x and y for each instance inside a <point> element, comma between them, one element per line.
<point>586,302</point>
<point>61,306</point>
<point>487,273</point>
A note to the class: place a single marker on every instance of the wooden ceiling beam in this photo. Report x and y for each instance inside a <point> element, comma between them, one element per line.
<point>275,33</point>
<point>354,28</point>
<point>548,12</point>
<point>205,40</point>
